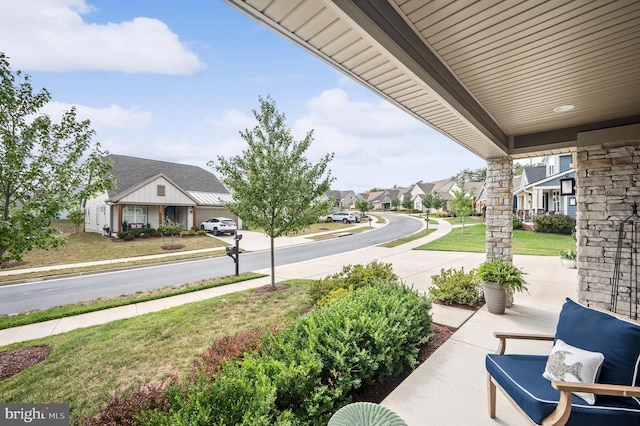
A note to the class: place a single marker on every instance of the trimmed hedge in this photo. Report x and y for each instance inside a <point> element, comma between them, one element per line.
<point>555,224</point>
<point>352,277</point>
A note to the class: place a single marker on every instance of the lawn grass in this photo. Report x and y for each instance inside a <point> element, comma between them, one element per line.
<point>24,318</point>
<point>524,242</point>
<point>87,366</point>
<point>408,238</point>
<point>89,246</point>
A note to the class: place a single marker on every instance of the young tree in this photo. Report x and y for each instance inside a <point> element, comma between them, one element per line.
<point>407,204</point>
<point>395,203</point>
<point>45,167</point>
<point>274,185</point>
<point>76,216</point>
<point>461,204</point>
<point>362,206</point>
<point>433,200</point>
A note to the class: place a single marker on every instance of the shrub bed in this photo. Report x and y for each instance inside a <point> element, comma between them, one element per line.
<point>556,224</point>
<point>301,374</point>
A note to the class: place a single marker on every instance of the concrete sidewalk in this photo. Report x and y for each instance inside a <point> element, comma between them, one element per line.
<point>450,387</point>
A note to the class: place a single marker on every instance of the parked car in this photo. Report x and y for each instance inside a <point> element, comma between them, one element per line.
<point>346,217</point>
<point>219,225</point>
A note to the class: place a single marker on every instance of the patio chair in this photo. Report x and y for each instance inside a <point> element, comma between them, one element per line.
<point>591,377</point>
<point>365,414</point>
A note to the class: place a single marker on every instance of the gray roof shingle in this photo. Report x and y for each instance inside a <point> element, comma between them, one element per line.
<point>132,171</point>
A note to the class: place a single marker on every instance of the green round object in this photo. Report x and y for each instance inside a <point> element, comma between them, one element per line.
<point>365,414</point>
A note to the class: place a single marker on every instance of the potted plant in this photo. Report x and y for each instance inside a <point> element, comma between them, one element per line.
<point>569,257</point>
<point>499,278</point>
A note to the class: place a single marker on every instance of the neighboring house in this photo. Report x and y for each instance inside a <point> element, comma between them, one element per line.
<point>378,200</point>
<point>417,193</point>
<point>343,199</point>
<point>148,191</point>
<point>539,191</point>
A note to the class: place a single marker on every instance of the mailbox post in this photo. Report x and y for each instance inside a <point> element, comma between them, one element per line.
<point>427,220</point>
<point>234,252</point>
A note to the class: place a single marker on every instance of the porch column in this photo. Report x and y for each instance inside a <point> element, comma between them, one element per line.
<point>608,174</point>
<point>499,208</point>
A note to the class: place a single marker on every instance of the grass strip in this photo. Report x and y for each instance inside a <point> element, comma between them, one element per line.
<point>32,317</point>
<point>408,238</point>
<point>524,242</point>
<point>88,365</point>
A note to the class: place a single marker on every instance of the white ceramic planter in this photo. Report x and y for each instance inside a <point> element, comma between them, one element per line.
<point>568,263</point>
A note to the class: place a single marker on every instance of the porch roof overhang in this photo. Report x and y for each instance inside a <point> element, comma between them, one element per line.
<point>487,74</point>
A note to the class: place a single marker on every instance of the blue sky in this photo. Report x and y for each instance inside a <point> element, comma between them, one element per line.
<point>178,80</point>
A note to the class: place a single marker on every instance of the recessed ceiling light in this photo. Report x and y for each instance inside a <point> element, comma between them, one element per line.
<point>564,108</point>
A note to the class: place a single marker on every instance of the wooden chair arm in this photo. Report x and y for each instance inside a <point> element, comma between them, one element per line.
<point>598,388</point>
<point>561,414</point>
<point>518,336</point>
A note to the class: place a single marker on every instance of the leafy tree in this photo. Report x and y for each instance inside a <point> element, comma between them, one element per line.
<point>45,167</point>
<point>274,185</point>
<point>461,204</point>
<point>362,206</point>
<point>376,189</point>
<point>395,203</point>
<point>468,175</point>
<point>171,228</point>
<point>433,200</point>
<point>406,202</point>
<point>76,216</point>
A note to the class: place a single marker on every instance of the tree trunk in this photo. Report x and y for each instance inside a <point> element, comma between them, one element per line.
<point>273,264</point>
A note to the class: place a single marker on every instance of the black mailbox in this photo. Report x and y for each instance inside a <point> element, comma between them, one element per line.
<point>231,250</point>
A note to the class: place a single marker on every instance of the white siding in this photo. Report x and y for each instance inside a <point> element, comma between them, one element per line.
<point>148,194</point>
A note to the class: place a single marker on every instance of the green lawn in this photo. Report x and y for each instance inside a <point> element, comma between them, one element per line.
<point>524,242</point>
<point>88,365</point>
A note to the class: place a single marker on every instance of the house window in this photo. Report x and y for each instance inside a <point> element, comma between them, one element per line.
<point>135,214</point>
<point>556,201</point>
<point>161,190</point>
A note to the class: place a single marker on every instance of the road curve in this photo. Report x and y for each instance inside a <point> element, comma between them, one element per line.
<point>44,294</point>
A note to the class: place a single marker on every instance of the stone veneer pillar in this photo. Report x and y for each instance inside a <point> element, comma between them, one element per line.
<point>608,182</point>
<point>499,208</point>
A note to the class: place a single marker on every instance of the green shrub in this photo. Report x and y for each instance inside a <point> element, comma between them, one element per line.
<point>517,223</point>
<point>456,286</point>
<point>368,334</point>
<point>242,394</point>
<point>332,295</point>
<point>129,237</point>
<point>122,234</point>
<point>555,224</point>
<point>352,277</point>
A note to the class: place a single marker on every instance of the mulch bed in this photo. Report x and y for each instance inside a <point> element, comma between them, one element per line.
<point>376,391</point>
<point>13,362</point>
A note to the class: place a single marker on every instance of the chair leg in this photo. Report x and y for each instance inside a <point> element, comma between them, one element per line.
<point>491,396</point>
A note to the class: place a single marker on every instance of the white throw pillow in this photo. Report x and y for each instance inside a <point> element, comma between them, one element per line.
<point>567,363</point>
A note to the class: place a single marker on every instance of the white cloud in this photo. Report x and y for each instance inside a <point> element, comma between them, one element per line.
<point>51,35</point>
<point>377,144</point>
<point>114,116</point>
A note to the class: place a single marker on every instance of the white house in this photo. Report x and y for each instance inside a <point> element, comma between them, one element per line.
<point>148,191</point>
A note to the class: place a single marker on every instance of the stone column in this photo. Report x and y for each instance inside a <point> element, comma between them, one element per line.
<point>499,208</point>
<point>608,182</point>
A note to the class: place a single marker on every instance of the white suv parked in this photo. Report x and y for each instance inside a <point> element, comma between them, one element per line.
<point>346,217</point>
<point>219,225</point>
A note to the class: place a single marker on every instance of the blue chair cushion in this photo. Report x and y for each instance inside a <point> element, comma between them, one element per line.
<point>520,376</point>
<point>618,340</point>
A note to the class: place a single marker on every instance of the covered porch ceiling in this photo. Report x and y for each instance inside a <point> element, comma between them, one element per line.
<point>487,73</point>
